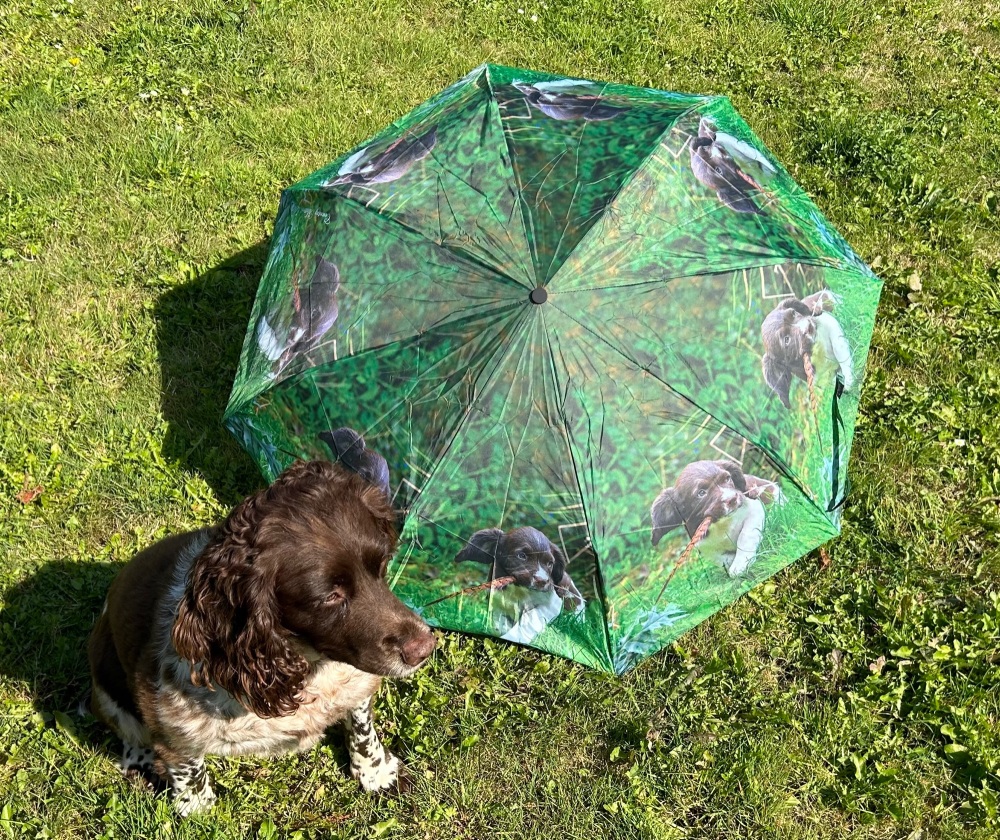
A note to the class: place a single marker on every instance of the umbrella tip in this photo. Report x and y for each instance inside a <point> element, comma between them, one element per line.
<point>538,295</point>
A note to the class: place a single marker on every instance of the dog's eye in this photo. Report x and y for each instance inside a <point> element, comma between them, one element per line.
<point>786,340</point>
<point>702,494</point>
<point>335,597</point>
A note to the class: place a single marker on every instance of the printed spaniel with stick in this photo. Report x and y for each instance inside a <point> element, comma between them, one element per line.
<point>803,339</point>
<point>722,509</point>
<point>538,587</point>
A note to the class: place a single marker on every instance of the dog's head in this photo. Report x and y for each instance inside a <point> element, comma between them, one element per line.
<point>524,554</point>
<point>788,332</point>
<point>704,489</point>
<point>298,566</point>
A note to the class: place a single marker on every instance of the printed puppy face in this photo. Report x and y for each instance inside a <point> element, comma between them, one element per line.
<point>712,489</point>
<point>788,332</point>
<point>525,554</point>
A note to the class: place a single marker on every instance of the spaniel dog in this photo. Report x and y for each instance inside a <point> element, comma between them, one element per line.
<point>254,636</point>
<point>721,492</point>
<point>796,329</point>
<point>541,587</point>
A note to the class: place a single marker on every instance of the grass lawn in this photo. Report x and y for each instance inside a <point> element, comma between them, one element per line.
<point>143,147</point>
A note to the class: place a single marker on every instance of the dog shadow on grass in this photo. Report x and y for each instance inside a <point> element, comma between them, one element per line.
<point>200,326</point>
<point>44,626</point>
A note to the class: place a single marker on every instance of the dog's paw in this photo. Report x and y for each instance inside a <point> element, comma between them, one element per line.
<point>195,801</point>
<point>379,774</point>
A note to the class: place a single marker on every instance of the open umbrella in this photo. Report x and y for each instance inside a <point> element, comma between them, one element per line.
<point>609,352</point>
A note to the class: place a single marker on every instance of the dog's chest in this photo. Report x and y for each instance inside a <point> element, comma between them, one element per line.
<point>510,603</point>
<point>826,348</point>
<point>214,723</point>
<point>723,536</point>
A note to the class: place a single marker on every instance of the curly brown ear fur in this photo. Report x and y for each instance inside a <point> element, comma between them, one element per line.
<point>666,513</point>
<point>736,473</point>
<point>227,623</point>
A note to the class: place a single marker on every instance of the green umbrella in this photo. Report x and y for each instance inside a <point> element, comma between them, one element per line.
<point>609,352</point>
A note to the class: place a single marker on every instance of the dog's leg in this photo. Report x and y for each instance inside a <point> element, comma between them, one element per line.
<point>375,768</point>
<point>837,347</point>
<point>748,539</point>
<point>534,620</point>
<point>189,784</point>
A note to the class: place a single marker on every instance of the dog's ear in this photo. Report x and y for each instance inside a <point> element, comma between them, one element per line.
<point>373,468</point>
<point>739,481</point>
<point>558,562</point>
<point>778,378</point>
<point>482,547</point>
<point>563,583</point>
<point>796,305</point>
<point>228,625</point>
<point>348,447</point>
<point>666,514</point>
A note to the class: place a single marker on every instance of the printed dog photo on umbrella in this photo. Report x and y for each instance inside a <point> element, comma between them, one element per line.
<point>804,339</point>
<point>348,448</point>
<point>720,507</point>
<point>373,166</point>
<point>723,163</point>
<point>531,583</point>
<point>569,99</point>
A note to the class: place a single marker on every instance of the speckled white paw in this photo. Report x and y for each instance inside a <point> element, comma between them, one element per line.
<point>195,801</point>
<point>378,775</point>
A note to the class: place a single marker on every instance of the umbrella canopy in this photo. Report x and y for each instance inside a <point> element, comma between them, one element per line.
<point>608,349</point>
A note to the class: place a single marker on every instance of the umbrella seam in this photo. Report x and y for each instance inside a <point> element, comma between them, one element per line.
<point>517,180</point>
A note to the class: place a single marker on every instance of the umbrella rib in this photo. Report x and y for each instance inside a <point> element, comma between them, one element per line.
<point>820,262</point>
<point>455,254</point>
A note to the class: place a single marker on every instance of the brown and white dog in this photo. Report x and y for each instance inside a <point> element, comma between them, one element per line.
<point>730,498</point>
<point>795,329</point>
<point>256,635</point>
<point>541,588</point>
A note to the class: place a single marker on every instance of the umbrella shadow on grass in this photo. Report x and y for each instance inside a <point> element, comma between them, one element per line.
<point>46,621</point>
<point>199,334</point>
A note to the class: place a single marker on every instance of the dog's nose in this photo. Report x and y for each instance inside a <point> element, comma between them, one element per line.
<point>416,650</point>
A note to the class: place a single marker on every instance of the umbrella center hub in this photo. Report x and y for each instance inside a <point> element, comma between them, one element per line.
<point>538,295</point>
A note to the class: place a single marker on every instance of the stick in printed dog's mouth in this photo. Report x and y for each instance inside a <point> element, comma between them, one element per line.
<point>810,381</point>
<point>496,583</point>
<point>699,535</point>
